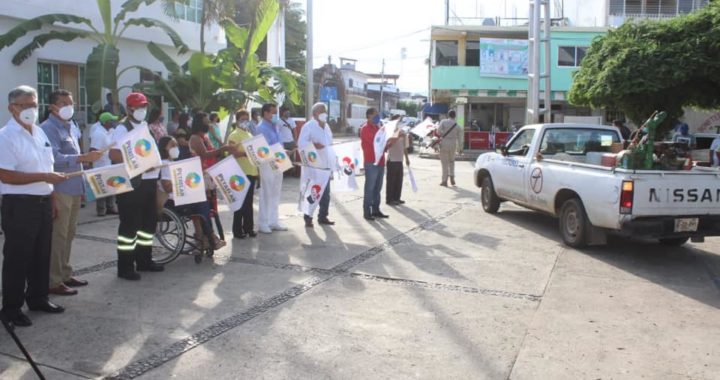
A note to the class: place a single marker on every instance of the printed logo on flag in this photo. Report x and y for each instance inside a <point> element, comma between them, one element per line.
<point>348,165</point>
<point>192,180</point>
<point>143,148</point>
<point>312,157</point>
<point>280,157</point>
<point>314,194</point>
<point>263,152</point>
<point>115,181</point>
<point>237,183</point>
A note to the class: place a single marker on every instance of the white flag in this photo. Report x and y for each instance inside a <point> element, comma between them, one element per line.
<point>187,181</point>
<point>281,160</point>
<point>379,143</point>
<point>257,150</point>
<point>312,190</point>
<point>424,128</point>
<point>411,177</point>
<point>344,179</point>
<point>139,151</point>
<point>231,181</point>
<point>107,181</point>
<point>310,157</point>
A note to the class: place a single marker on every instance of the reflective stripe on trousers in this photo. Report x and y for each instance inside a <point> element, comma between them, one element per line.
<point>126,244</point>
<point>144,238</point>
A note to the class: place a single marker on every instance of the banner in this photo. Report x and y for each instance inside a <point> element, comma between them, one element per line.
<point>231,182</point>
<point>257,150</point>
<point>312,190</point>
<point>344,179</point>
<point>139,151</point>
<point>411,178</point>
<point>281,160</point>
<point>310,157</point>
<point>379,144</point>
<point>423,129</point>
<point>107,181</point>
<point>503,57</point>
<point>187,181</point>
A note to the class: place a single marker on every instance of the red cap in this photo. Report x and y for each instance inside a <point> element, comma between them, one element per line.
<point>136,99</point>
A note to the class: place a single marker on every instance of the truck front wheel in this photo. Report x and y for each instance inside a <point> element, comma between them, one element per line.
<point>674,242</point>
<point>574,223</point>
<point>490,200</point>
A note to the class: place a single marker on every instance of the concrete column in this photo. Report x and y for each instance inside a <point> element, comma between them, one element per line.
<point>460,119</point>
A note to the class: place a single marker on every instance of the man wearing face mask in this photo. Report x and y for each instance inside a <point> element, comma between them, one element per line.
<point>318,133</point>
<point>137,208</point>
<point>373,173</point>
<point>67,195</point>
<point>100,140</point>
<point>270,180</point>
<point>26,182</point>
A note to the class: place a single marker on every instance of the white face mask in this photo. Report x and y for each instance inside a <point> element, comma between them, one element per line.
<point>323,117</point>
<point>29,115</point>
<point>66,113</point>
<point>174,152</point>
<point>139,114</point>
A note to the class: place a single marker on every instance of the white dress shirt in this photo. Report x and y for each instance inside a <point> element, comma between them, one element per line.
<point>25,152</point>
<point>312,132</point>
<point>100,139</point>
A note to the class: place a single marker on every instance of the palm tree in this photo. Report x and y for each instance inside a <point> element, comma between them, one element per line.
<point>102,63</point>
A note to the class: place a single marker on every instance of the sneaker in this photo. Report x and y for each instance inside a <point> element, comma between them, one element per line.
<point>264,230</point>
<point>278,227</point>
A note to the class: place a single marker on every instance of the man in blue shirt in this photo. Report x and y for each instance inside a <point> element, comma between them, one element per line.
<point>67,194</point>
<point>270,180</point>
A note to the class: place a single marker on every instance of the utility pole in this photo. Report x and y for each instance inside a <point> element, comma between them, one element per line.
<point>382,83</point>
<point>447,12</point>
<point>309,61</point>
<point>538,37</point>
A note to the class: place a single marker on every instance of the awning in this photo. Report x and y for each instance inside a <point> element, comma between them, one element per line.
<point>435,109</point>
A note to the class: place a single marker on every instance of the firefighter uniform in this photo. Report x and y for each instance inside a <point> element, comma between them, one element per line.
<point>137,208</point>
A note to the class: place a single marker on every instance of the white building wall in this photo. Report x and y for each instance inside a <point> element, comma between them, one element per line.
<point>132,46</point>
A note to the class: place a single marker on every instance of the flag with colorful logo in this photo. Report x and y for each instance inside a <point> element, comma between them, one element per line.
<point>344,175</point>
<point>312,189</point>
<point>312,158</point>
<point>257,150</point>
<point>140,153</point>
<point>231,181</point>
<point>187,181</point>
<point>107,181</point>
<point>281,160</point>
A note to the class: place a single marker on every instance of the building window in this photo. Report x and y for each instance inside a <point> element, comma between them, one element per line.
<point>53,76</point>
<point>472,53</point>
<point>192,11</point>
<point>350,83</point>
<point>571,56</point>
<point>48,81</point>
<point>446,53</point>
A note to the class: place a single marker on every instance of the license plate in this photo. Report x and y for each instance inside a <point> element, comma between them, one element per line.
<point>686,225</point>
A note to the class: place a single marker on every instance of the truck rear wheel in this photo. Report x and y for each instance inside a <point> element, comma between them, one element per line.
<point>674,242</point>
<point>490,200</point>
<point>574,224</point>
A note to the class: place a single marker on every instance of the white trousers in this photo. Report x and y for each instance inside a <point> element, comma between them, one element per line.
<point>270,195</point>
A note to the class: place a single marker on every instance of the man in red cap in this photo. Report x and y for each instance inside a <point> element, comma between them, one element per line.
<point>137,208</point>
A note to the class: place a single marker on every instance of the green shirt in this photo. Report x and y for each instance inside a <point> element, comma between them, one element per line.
<point>236,138</point>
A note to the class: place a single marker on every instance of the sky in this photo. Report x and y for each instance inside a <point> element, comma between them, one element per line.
<point>373,30</point>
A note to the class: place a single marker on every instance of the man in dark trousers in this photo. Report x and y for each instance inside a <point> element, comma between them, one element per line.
<point>26,182</point>
<point>137,208</point>
<point>397,152</point>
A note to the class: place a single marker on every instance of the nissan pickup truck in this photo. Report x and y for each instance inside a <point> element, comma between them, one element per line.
<point>568,171</point>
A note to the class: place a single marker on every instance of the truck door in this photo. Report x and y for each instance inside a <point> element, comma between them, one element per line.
<point>510,171</point>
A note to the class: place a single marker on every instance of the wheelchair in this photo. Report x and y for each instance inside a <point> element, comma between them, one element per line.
<point>173,237</point>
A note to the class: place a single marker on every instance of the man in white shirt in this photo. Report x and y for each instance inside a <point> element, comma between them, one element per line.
<point>26,182</point>
<point>318,132</point>
<point>137,208</point>
<point>715,152</point>
<point>287,129</point>
<point>101,139</point>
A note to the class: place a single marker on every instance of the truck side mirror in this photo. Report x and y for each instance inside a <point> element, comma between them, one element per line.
<point>502,149</point>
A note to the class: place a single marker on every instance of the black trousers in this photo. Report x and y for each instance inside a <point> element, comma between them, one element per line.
<point>138,220</point>
<point>393,190</point>
<point>27,223</point>
<point>243,222</point>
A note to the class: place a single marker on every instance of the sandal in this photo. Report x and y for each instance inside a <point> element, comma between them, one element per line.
<point>217,243</point>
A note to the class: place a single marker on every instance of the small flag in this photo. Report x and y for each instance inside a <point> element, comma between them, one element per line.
<point>281,160</point>
<point>231,181</point>
<point>139,151</point>
<point>423,129</point>
<point>312,190</point>
<point>344,179</point>
<point>187,181</point>
<point>257,149</point>
<point>107,180</point>
<point>312,158</point>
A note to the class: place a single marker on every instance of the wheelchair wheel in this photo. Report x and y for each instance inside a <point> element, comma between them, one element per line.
<point>170,233</point>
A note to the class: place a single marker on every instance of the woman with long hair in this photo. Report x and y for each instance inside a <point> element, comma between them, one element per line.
<point>182,135</point>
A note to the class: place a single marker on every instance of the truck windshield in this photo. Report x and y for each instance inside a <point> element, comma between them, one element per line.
<point>565,143</point>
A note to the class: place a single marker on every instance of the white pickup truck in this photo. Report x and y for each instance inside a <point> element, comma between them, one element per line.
<point>556,169</point>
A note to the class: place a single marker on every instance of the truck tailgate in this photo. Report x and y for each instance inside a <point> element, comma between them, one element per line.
<point>680,193</point>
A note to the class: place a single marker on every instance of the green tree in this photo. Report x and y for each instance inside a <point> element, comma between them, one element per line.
<point>654,65</point>
<point>102,63</point>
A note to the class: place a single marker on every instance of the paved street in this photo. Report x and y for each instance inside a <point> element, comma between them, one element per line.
<point>440,290</point>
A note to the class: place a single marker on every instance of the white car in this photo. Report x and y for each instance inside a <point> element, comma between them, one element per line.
<point>557,169</point>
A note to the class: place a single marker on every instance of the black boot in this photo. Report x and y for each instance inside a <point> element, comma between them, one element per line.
<point>126,266</point>
<point>145,263</point>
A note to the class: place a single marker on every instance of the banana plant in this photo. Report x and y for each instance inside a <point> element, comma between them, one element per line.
<point>102,63</point>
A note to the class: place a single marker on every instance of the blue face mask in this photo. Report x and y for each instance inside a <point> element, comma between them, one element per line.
<point>275,119</point>
<point>376,120</point>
